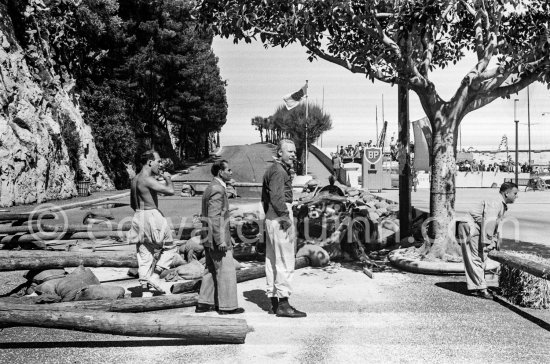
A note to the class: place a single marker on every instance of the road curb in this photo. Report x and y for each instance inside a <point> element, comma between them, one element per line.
<point>398,260</point>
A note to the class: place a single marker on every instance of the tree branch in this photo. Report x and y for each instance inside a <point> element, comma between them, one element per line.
<point>468,7</point>
<point>490,96</point>
<point>390,43</point>
<point>478,26</point>
<point>260,30</point>
<point>491,73</point>
<point>410,64</point>
<point>333,59</point>
<point>429,46</point>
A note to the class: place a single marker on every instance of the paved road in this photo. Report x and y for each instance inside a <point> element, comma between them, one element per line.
<point>248,163</point>
<point>531,209</point>
<point>393,318</point>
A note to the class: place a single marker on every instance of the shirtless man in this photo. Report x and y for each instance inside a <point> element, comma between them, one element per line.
<point>150,231</point>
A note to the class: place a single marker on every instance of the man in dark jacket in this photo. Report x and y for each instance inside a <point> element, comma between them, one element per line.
<point>281,237</point>
<point>219,285</point>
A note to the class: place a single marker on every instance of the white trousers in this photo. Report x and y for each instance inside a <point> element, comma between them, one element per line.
<point>152,235</point>
<point>146,255</point>
<point>280,257</point>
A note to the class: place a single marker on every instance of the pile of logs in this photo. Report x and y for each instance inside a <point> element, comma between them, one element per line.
<point>106,316</point>
<point>38,235</point>
<point>116,316</point>
<point>24,231</point>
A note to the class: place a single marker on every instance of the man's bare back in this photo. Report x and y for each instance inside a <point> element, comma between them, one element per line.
<point>144,186</point>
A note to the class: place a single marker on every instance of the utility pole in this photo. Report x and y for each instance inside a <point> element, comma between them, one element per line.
<point>377,121</point>
<point>517,123</point>
<point>322,112</point>
<point>305,164</point>
<point>529,125</point>
<point>404,161</point>
<point>383,119</point>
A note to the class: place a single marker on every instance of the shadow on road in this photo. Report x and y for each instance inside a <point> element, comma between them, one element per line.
<point>523,313</point>
<point>457,287</point>
<point>460,287</point>
<point>98,344</point>
<point>258,297</point>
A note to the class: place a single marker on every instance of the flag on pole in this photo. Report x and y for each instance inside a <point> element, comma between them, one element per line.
<point>292,100</point>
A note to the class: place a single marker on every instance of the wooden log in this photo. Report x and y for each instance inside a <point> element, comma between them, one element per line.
<point>190,329</point>
<point>83,230</point>
<point>99,235</point>
<point>27,238</point>
<point>75,205</point>
<point>242,276</point>
<point>537,269</point>
<point>29,259</point>
<point>26,216</point>
<point>133,304</point>
<point>368,272</point>
<point>25,260</point>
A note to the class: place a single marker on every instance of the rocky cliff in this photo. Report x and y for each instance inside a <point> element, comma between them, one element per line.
<point>44,142</point>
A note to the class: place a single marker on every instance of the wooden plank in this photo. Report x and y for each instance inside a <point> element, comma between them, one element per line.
<point>537,269</point>
<point>189,329</point>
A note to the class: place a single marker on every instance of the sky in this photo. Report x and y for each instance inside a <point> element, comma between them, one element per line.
<point>257,79</point>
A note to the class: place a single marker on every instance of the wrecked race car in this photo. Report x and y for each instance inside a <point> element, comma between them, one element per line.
<point>338,224</point>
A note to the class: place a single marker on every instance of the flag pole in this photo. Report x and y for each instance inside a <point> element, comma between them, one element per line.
<point>307,106</point>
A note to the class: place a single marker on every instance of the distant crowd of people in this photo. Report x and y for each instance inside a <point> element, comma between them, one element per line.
<point>473,166</point>
<point>356,151</point>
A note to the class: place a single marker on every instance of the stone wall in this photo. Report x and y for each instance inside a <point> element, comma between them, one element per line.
<point>34,107</point>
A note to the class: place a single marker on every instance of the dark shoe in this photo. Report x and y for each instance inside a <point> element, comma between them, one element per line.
<point>286,310</point>
<point>483,293</point>
<point>231,312</point>
<point>274,305</point>
<point>202,307</point>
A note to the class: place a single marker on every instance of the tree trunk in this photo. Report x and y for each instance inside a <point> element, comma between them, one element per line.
<point>133,304</point>
<point>438,244</point>
<point>261,136</point>
<point>190,329</point>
